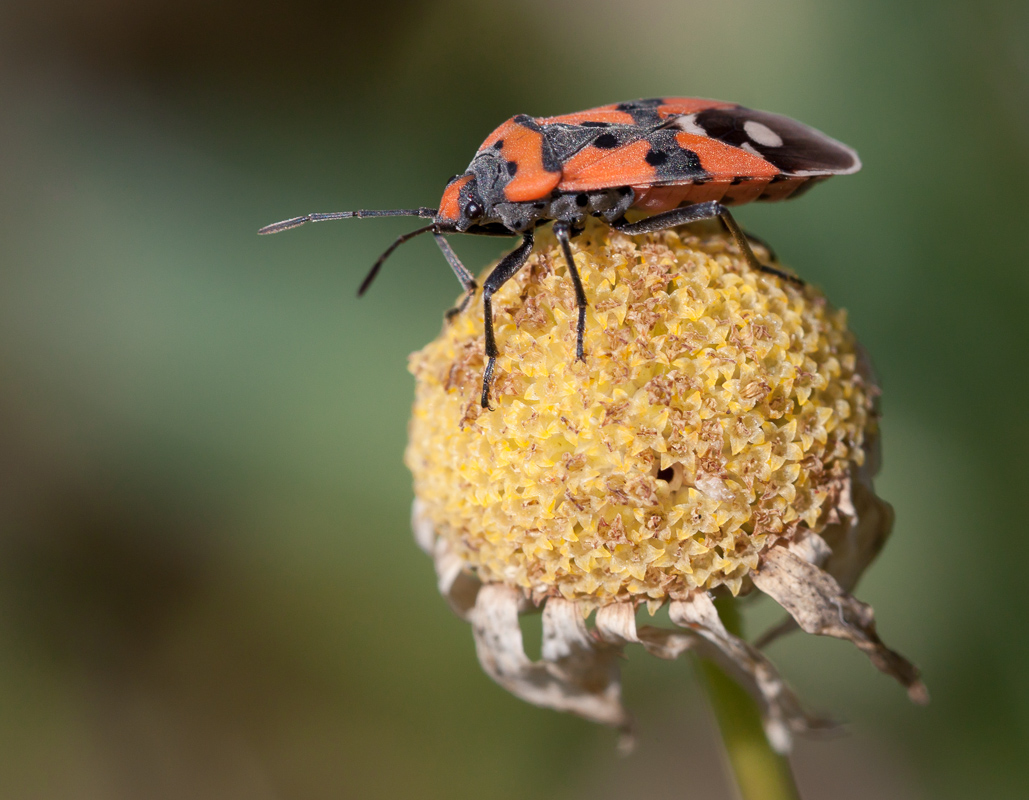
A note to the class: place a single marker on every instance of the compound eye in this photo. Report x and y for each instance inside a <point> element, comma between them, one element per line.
<point>473,210</point>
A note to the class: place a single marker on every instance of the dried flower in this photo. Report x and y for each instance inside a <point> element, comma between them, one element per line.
<point>720,436</point>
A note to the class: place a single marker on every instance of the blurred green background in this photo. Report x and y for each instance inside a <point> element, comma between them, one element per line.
<point>208,587</point>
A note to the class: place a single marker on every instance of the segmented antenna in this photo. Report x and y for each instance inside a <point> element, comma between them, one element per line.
<point>296,222</point>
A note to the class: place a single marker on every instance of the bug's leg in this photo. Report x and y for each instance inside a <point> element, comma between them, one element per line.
<point>463,275</point>
<point>508,266</point>
<point>406,237</point>
<point>450,313</point>
<point>695,213</point>
<point>741,241</point>
<point>669,219</point>
<point>561,230</point>
<point>759,241</point>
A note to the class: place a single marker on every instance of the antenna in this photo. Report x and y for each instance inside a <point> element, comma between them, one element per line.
<point>296,222</point>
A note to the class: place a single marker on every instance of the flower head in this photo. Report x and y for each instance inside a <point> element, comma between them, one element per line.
<point>720,436</point>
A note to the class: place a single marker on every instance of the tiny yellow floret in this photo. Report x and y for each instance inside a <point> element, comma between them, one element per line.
<point>717,411</point>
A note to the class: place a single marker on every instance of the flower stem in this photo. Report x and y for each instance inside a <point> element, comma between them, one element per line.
<point>761,773</point>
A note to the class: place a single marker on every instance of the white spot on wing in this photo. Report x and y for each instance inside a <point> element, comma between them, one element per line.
<point>688,123</point>
<point>750,149</point>
<point>761,134</point>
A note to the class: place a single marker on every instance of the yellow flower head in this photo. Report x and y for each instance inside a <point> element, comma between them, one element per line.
<point>721,421</point>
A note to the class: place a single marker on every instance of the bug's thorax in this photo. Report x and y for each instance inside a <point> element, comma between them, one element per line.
<point>478,198</point>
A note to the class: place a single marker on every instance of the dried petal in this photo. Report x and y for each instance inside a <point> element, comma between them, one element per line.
<point>453,579</point>
<point>812,548</point>
<point>855,544</point>
<point>616,623</point>
<point>422,527</point>
<point>818,604</point>
<point>577,673</point>
<point>781,710</point>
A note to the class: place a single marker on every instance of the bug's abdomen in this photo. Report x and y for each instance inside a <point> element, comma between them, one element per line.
<point>655,199</point>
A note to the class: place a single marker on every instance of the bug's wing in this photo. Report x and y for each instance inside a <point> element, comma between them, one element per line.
<point>662,157</point>
<point>613,126</point>
<point>645,113</point>
<point>712,145</point>
<point>602,115</point>
<point>793,148</point>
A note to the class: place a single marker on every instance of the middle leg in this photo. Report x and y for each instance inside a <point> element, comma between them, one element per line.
<point>562,230</point>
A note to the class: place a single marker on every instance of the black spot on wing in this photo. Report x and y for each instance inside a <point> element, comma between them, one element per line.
<point>512,168</point>
<point>802,149</point>
<point>673,162</point>
<point>646,102</point>
<point>606,141</point>
<point>526,122</point>
<point>643,112</point>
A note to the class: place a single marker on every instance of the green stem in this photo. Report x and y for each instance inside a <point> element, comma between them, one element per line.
<point>761,773</point>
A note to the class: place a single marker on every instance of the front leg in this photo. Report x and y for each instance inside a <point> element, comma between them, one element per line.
<point>463,275</point>
<point>508,266</point>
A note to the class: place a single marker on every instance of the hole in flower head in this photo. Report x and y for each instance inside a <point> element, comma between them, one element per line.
<point>672,474</point>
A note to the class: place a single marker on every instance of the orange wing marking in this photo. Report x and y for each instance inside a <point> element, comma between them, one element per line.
<point>673,106</point>
<point>595,168</point>
<point>723,161</point>
<point>524,147</point>
<point>603,114</point>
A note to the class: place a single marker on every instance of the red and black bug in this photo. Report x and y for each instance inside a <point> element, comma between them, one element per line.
<point>677,160</point>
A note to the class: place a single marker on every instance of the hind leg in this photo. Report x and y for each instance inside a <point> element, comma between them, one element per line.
<point>695,213</point>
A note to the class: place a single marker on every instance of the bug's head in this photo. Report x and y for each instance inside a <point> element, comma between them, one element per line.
<point>462,205</point>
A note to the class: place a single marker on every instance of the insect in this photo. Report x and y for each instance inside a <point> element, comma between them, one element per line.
<point>674,160</point>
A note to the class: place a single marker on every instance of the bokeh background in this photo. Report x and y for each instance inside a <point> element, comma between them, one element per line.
<point>208,587</point>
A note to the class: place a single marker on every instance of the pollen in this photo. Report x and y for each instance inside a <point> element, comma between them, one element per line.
<point>719,411</point>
